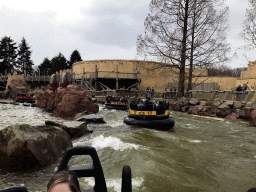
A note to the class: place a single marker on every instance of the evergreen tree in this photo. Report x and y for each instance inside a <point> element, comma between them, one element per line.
<point>75,57</point>
<point>45,67</point>
<point>24,62</point>
<point>8,54</point>
<point>58,63</point>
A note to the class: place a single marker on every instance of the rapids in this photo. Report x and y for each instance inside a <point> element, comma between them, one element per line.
<point>200,155</point>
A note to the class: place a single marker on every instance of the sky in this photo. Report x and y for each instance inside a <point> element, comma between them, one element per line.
<point>98,29</point>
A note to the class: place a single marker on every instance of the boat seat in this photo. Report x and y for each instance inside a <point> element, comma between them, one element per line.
<point>95,170</point>
<point>89,171</point>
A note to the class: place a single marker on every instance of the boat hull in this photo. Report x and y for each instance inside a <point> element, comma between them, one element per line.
<point>25,100</point>
<point>115,106</point>
<point>160,124</point>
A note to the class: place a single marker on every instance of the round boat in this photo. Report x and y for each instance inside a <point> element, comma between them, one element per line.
<point>24,98</point>
<point>149,115</point>
<point>118,103</point>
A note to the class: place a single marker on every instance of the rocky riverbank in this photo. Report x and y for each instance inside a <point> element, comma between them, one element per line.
<point>226,109</point>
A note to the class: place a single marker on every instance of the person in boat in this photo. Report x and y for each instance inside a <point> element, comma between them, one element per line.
<point>64,181</point>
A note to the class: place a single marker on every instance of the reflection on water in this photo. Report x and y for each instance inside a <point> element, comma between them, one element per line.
<point>200,155</point>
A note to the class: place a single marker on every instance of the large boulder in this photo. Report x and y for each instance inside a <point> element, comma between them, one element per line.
<point>67,102</point>
<point>233,117</point>
<point>223,110</point>
<point>73,128</point>
<point>91,118</point>
<point>200,110</point>
<point>194,101</point>
<point>24,147</point>
<point>75,100</point>
<point>17,86</point>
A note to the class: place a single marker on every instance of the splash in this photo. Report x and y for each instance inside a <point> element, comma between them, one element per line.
<point>101,142</point>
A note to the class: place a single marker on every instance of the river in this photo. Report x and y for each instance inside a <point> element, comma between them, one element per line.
<point>202,154</point>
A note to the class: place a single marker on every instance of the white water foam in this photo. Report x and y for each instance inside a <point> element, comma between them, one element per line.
<point>195,141</point>
<point>115,184</point>
<point>101,142</point>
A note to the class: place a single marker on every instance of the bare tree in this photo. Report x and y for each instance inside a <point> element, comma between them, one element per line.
<point>185,32</point>
<point>207,38</point>
<point>249,27</point>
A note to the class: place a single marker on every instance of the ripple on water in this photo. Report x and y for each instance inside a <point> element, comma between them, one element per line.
<point>101,142</point>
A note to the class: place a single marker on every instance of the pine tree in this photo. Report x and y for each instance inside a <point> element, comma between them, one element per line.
<point>45,67</point>
<point>8,55</point>
<point>58,63</point>
<point>24,62</point>
<point>75,57</point>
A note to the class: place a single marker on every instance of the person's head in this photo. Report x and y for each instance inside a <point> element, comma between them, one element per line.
<point>64,181</point>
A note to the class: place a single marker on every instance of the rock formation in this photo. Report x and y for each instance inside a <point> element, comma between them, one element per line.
<point>67,102</point>
<point>17,86</point>
<point>24,147</point>
<point>73,128</point>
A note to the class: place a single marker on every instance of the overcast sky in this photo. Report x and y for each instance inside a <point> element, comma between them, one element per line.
<point>98,29</point>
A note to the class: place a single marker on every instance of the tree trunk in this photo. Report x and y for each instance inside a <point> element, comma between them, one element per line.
<point>183,54</point>
<point>189,88</point>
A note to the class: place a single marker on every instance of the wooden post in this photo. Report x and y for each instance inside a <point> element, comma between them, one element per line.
<point>82,78</point>
<point>96,76</point>
<point>39,76</point>
<point>117,77</point>
<point>139,78</point>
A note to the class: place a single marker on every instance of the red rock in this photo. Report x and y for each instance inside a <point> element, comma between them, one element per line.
<point>199,110</point>
<point>233,117</point>
<point>67,102</point>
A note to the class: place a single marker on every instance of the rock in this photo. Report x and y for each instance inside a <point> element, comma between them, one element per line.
<point>240,113</point>
<point>233,117</point>
<point>194,101</point>
<point>184,108</point>
<point>249,104</point>
<point>74,128</point>
<point>214,106</point>
<point>91,118</point>
<point>3,94</point>
<point>230,104</point>
<point>253,117</point>
<point>223,110</point>
<point>17,86</point>
<point>175,106</point>
<point>204,103</point>
<point>67,102</point>
<point>223,113</point>
<point>82,114</point>
<point>200,110</point>
<point>24,147</point>
<point>247,112</point>
<point>238,105</point>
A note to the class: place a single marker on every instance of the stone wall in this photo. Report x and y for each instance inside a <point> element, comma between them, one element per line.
<point>250,72</point>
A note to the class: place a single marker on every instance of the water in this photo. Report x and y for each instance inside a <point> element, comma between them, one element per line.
<point>202,154</point>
